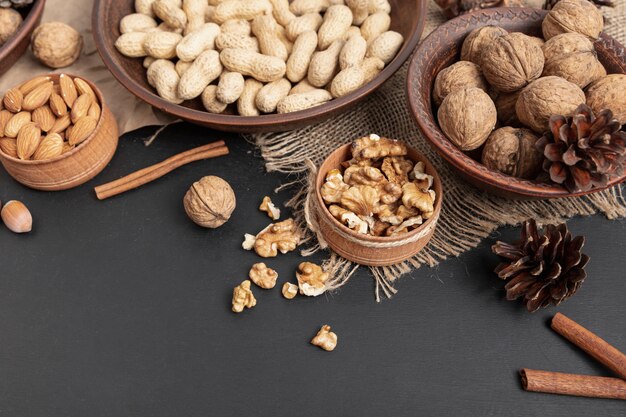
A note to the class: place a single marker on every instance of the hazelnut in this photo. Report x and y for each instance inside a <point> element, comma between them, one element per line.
<point>512,61</point>
<point>608,93</point>
<point>580,16</point>
<point>210,202</point>
<point>460,75</point>
<point>467,117</point>
<point>56,44</point>
<point>10,21</point>
<point>505,105</point>
<point>545,97</point>
<point>16,217</point>
<point>512,151</point>
<point>573,57</point>
<point>475,43</point>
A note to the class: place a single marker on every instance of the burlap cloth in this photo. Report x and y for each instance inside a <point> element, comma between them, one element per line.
<point>468,215</point>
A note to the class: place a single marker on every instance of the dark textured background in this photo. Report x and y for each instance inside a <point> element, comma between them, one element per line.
<point>122,308</point>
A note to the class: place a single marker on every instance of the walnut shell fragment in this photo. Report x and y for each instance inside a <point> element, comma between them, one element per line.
<point>580,16</point>
<point>210,202</point>
<point>512,151</point>
<point>311,279</point>
<point>476,42</point>
<point>573,57</point>
<point>460,75</point>
<point>512,61</point>
<point>609,92</point>
<point>545,97</point>
<point>467,117</point>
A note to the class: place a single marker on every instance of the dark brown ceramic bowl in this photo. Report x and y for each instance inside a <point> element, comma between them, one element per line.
<point>407,17</point>
<point>441,49</point>
<point>15,47</point>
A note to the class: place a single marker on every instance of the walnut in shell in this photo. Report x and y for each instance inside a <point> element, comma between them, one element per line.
<point>545,97</point>
<point>573,57</point>
<point>505,105</point>
<point>512,61</point>
<point>467,117</point>
<point>580,16</point>
<point>476,42</point>
<point>609,92</point>
<point>56,44</point>
<point>210,202</point>
<point>460,75</point>
<point>512,151</point>
<point>10,21</point>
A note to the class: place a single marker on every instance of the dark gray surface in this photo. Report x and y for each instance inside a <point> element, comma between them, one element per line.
<point>122,308</point>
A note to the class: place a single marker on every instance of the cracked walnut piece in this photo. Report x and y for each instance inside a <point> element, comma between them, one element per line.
<point>263,276</point>
<point>243,297</point>
<point>289,290</point>
<point>334,187</point>
<point>280,237</point>
<point>374,147</point>
<point>325,339</point>
<point>311,279</point>
<point>267,206</point>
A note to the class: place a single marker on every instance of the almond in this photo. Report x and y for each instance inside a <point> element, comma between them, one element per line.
<point>38,97</point>
<point>5,116</point>
<point>81,130</point>
<point>81,107</point>
<point>84,88</point>
<point>50,146</point>
<point>60,124</point>
<point>28,140</point>
<point>68,131</point>
<point>13,100</point>
<point>29,86</point>
<point>68,89</point>
<point>57,105</point>
<point>44,118</point>
<point>9,146</point>
<point>94,111</point>
<point>67,147</point>
<point>15,123</point>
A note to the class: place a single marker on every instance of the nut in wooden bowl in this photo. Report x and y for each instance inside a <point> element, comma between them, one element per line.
<point>402,225</point>
<point>56,132</point>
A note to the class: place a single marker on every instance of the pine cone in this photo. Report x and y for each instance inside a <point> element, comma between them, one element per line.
<point>543,268</point>
<point>583,151</point>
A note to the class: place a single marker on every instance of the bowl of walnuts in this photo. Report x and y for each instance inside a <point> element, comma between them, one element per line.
<point>523,102</point>
<point>258,65</point>
<point>18,19</point>
<point>377,201</point>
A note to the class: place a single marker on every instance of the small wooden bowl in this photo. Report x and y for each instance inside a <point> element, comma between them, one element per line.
<point>15,47</point>
<point>441,49</point>
<point>366,249</point>
<point>407,17</point>
<point>72,168</point>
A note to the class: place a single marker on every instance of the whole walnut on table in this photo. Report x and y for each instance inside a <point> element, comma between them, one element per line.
<point>572,56</point>
<point>56,44</point>
<point>210,202</point>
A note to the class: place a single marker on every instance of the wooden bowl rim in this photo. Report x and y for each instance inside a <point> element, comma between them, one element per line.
<point>429,168</point>
<point>25,29</point>
<point>80,145</point>
<point>459,160</point>
<point>266,120</point>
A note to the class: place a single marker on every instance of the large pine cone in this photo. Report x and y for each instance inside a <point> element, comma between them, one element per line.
<point>583,151</point>
<point>542,268</point>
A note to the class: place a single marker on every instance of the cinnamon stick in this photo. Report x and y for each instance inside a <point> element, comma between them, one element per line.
<point>596,347</point>
<point>151,173</point>
<point>571,384</point>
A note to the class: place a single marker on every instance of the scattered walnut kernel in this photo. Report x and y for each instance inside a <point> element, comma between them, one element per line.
<point>311,279</point>
<point>366,197</point>
<point>289,290</point>
<point>325,339</point>
<point>243,297</point>
<point>280,237</point>
<point>267,206</point>
<point>263,276</point>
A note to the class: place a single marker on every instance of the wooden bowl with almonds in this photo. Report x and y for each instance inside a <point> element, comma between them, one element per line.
<point>56,132</point>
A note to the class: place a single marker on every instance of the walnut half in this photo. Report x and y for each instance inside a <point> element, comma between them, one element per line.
<point>311,279</point>
<point>243,297</point>
<point>325,339</point>
<point>280,237</point>
<point>263,276</point>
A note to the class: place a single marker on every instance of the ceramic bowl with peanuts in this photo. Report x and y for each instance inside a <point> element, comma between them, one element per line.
<point>56,132</point>
<point>259,65</point>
